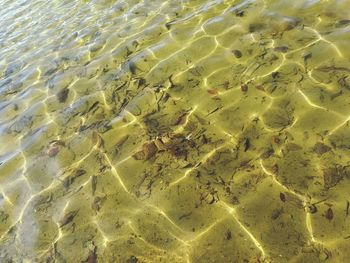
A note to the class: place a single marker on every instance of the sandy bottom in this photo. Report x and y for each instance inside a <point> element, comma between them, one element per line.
<point>174,131</point>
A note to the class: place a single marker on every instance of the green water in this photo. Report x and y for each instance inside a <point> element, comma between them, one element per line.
<point>174,131</point>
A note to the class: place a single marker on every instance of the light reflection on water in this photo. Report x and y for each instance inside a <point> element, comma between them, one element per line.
<point>174,131</point>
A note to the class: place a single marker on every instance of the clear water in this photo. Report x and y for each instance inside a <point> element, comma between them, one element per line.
<point>174,131</point>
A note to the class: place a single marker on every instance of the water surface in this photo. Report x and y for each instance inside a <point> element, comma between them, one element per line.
<point>174,131</point>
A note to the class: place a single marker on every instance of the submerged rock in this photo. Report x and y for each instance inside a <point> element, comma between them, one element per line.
<point>148,151</point>
<point>62,95</point>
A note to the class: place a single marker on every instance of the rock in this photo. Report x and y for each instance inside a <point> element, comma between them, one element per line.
<point>228,235</point>
<point>67,218</point>
<point>148,150</point>
<point>329,214</point>
<point>244,88</point>
<point>283,197</point>
<point>54,148</point>
<point>282,49</point>
<point>237,53</point>
<point>267,153</point>
<point>62,95</point>
<point>311,208</point>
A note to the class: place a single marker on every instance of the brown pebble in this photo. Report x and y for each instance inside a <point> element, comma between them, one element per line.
<point>282,49</point>
<point>267,153</point>
<point>277,140</point>
<point>53,151</point>
<point>282,197</point>
<point>274,74</point>
<point>237,53</point>
<point>307,56</point>
<point>260,87</point>
<point>212,91</point>
<point>54,147</point>
<point>180,120</point>
<point>148,150</point>
<point>67,218</point>
<point>312,208</point>
<point>329,214</point>
<point>62,95</point>
<point>244,87</point>
<point>228,235</point>
<point>246,144</point>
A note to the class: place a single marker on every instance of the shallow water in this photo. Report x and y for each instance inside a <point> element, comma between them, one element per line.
<point>174,131</point>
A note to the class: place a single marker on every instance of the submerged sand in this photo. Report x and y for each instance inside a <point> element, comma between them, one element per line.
<point>174,131</point>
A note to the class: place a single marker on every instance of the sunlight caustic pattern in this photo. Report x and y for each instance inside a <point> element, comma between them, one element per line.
<point>174,131</point>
